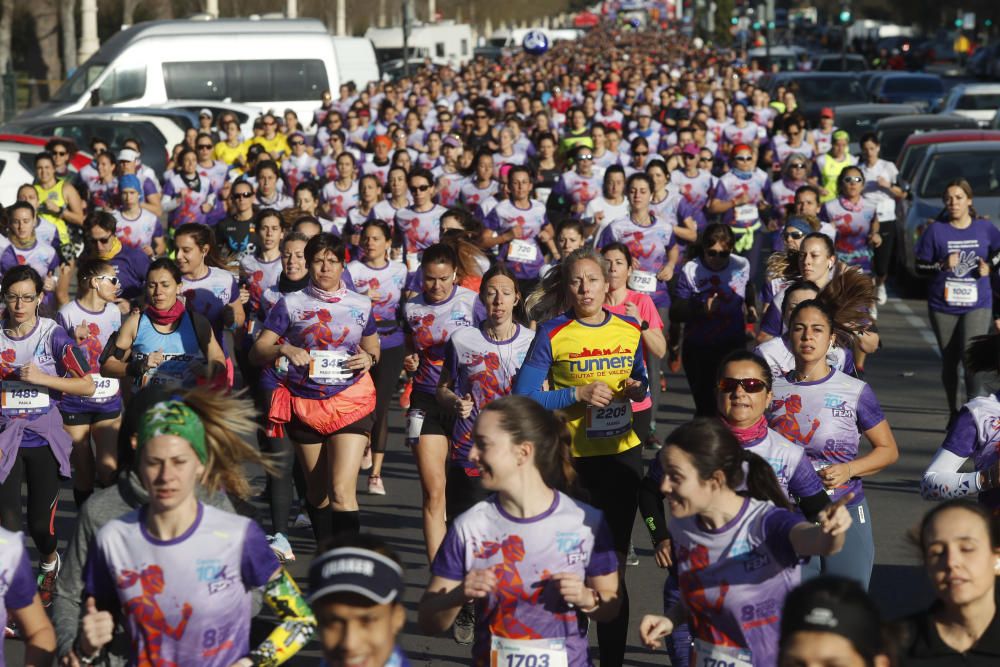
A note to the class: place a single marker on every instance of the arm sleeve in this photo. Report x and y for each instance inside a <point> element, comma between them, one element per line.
<point>278,320</point>
<point>449,562</point>
<point>963,435</point>
<point>804,481</point>
<point>777,527</point>
<point>535,371</point>
<point>942,479</point>
<point>297,623</point>
<point>651,508</point>
<point>869,411</point>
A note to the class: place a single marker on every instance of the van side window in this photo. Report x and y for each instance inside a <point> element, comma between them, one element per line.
<point>124,84</point>
<point>465,47</point>
<point>246,81</point>
<point>439,49</point>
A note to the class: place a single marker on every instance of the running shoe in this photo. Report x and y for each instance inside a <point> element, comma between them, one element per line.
<point>631,558</point>
<point>404,398</point>
<point>48,573</point>
<point>366,459</point>
<point>464,629</point>
<point>11,631</point>
<point>280,546</point>
<point>674,359</point>
<point>375,485</point>
<point>880,296</point>
<point>653,443</point>
<point>663,382</point>
<point>302,521</point>
<point>874,312</point>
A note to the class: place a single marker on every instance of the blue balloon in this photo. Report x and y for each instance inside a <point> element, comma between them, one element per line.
<point>535,42</point>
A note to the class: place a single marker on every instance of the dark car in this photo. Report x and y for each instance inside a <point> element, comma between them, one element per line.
<point>835,62</point>
<point>893,132</point>
<point>184,118</point>
<point>926,90</point>
<point>857,119</point>
<point>80,129</point>
<point>918,144</point>
<point>815,90</point>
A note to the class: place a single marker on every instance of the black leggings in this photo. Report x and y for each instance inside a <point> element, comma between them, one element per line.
<point>386,377</point>
<point>613,485</point>
<point>701,364</point>
<point>36,466</point>
<point>883,253</point>
<point>279,488</point>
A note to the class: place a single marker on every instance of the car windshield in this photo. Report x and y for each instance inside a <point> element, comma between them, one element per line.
<point>892,141</point>
<point>78,84</point>
<point>913,84</point>
<point>911,160</point>
<point>823,89</point>
<point>980,168</point>
<point>979,102</point>
<point>856,125</point>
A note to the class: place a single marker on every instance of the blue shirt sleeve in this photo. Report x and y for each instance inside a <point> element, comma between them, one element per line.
<point>869,411</point>
<point>603,559</point>
<point>778,524</point>
<point>234,291</point>
<point>22,586</point>
<point>771,322</point>
<point>963,435</point>
<point>534,372</point>
<point>684,288</point>
<point>97,579</point>
<point>449,561</point>
<point>258,563</point>
<point>371,328</point>
<point>278,319</point>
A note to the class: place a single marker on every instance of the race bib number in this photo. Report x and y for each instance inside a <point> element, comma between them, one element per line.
<point>642,281</point>
<point>21,397</point>
<point>542,194</point>
<point>327,367</point>
<point>528,653</point>
<point>414,424</point>
<point>961,292</point>
<point>105,388</point>
<point>522,251</point>
<point>412,263</point>
<point>885,209</point>
<point>612,420</point>
<point>704,654</point>
<point>747,213</point>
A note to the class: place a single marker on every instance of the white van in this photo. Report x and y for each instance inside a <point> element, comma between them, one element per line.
<point>356,61</point>
<point>446,43</point>
<point>268,63</point>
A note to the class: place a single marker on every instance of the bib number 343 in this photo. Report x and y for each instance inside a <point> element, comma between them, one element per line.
<point>528,653</point>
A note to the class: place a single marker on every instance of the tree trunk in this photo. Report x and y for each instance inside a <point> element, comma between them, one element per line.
<point>128,11</point>
<point>46,17</point>
<point>6,23</point>
<point>67,21</point>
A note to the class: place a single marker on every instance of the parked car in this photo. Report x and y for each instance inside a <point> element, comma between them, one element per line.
<point>977,161</point>
<point>786,57</point>
<point>81,127</point>
<point>980,63</point>
<point>17,163</point>
<point>857,119</point>
<point>917,145</point>
<point>816,90</point>
<point>33,144</point>
<point>835,62</point>
<point>978,101</point>
<point>925,90</point>
<point>894,131</point>
<point>245,113</point>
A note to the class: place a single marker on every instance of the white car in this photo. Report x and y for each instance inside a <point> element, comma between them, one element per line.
<point>245,113</point>
<point>978,101</point>
<point>17,167</point>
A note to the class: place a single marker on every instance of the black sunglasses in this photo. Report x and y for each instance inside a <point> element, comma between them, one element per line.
<point>852,179</point>
<point>797,165</point>
<point>206,147</point>
<point>750,385</point>
<point>794,234</point>
<point>718,253</point>
<point>241,195</point>
<point>419,188</point>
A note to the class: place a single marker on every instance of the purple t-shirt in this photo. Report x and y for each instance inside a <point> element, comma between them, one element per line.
<point>17,578</point>
<point>132,265</point>
<point>384,287</point>
<point>734,579</point>
<point>529,221</point>
<point>698,282</point>
<point>853,223</point>
<point>827,417</point>
<point>210,294</point>
<point>100,326</point>
<point>569,536</point>
<point>649,246</point>
<point>430,325</point>
<point>185,601</point>
<point>757,188</point>
<point>975,434</point>
<point>959,290</point>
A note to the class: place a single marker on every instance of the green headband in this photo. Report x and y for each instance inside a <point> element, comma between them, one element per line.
<point>174,418</point>
<point>841,134</point>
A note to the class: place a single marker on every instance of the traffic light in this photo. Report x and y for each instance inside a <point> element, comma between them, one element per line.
<point>958,23</point>
<point>734,20</point>
<point>845,15</point>
<point>988,23</point>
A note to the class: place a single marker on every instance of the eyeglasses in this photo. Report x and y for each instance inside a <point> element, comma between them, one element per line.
<point>750,385</point>
<point>269,122</point>
<point>241,195</point>
<point>481,115</point>
<point>797,165</point>
<point>585,156</point>
<point>704,159</point>
<point>743,158</point>
<point>101,241</point>
<point>639,153</point>
<point>722,254</point>
<point>205,147</point>
<point>419,188</point>
<point>111,279</point>
<point>19,298</point>
<point>296,143</point>
<point>60,153</point>
<point>794,234</point>
<point>852,179</point>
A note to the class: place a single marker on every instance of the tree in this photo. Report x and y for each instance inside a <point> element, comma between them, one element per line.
<point>67,21</point>
<point>46,17</point>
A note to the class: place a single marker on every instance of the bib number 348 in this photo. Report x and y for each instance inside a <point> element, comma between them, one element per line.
<point>528,653</point>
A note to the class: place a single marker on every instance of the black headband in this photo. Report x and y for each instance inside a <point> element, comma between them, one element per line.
<point>848,621</point>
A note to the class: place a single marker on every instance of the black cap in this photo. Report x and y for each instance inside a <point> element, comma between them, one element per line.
<point>355,570</point>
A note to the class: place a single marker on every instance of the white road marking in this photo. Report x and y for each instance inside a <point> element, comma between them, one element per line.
<point>919,325</point>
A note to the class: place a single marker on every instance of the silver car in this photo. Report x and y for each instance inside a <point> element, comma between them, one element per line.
<point>978,101</point>
<point>976,162</point>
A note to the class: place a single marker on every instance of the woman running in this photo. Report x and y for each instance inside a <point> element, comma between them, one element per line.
<point>816,405</point>
<point>397,198</point>
<point>25,249</point>
<point>725,500</point>
<point>20,604</point>
<point>430,319</point>
<point>165,343</point>
<point>593,362</point>
<point>138,227</point>
<point>956,255</point>
<point>855,219</point>
<point>531,597</point>
<point>59,201</point>
<point>91,320</point>
<point>39,363</point>
<point>188,196</point>
<point>341,194</point>
<point>518,224</point>
<point>743,197</point>
<point>480,185</point>
<point>610,205</point>
<point>714,300</point>
<point>144,566</point>
<point>381,280</point>
<point>100,241</point>
<point>325,404</point>
<point>417,225</point>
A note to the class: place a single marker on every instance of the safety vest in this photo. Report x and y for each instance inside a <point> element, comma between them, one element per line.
<point>829,172</point>
<point>54,196</point>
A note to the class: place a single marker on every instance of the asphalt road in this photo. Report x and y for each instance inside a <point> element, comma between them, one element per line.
<point>905,376</point>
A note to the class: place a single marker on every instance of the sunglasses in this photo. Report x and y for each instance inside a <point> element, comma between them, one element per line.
<point>639,153</point>
<point>723,254</point>
<point>102,241</point>
<point>794,235</point>
<point>797,165</point>
<point>419,188</point>
<point>59,153</point>
<point>586,156</point>
<point>691,157</point>
<point>750,385</point>
<point>111,279</point>
<point>241,195</point>
<point>743,158</point>
<point>704,159</point>
<point>296,143</point>
<point>852,179</point>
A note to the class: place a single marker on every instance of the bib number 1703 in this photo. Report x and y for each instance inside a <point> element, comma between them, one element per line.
<point>521,660</point>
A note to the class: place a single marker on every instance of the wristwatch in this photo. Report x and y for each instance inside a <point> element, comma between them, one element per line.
<point>644,325</point>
